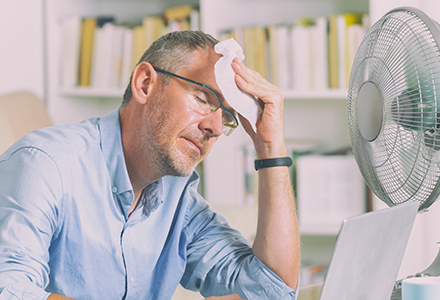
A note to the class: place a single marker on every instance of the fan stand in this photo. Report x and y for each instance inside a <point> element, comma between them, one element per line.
<point>432,271</point>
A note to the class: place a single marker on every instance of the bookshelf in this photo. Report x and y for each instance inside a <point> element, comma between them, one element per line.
<point>74,105</point>
<point>319,115</point>
<point>303,109</point>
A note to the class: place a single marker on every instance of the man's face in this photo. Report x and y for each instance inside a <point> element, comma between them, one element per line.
<point>179,135</point>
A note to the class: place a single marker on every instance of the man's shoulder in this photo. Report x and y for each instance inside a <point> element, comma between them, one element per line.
<point>57,139</point>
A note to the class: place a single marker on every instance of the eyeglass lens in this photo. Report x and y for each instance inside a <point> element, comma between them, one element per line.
<point>209,102</point>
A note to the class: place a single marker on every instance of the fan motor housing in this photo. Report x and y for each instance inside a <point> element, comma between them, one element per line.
<point>369,111</point>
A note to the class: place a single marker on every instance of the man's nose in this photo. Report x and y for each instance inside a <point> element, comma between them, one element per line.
<point>212,124</point>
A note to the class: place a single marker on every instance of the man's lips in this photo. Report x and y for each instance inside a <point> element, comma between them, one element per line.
<point>196,144</point>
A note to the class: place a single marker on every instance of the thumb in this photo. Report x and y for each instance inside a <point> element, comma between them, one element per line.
<point>246,125</point>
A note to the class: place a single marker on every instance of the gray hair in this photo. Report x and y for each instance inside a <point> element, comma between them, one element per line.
<point>171,52</point>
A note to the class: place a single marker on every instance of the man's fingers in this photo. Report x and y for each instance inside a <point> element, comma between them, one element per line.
<point>255,84</point>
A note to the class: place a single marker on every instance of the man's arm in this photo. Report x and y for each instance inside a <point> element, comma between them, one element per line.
<point>58,297</point>
<point>29,211</point>
<point>277,240</point>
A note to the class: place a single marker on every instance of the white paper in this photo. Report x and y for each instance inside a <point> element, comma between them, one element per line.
<point>244,103</point>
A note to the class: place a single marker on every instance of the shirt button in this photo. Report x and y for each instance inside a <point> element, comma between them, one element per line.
<point>114,189</point>
<point>132,279</point>
<point>127,194</point>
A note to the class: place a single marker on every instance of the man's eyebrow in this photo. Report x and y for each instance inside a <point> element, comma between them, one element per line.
<point>219,93</point>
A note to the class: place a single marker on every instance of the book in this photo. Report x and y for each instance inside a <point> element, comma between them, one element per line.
<point>343,22</point>
<point>138,45</point>
<point>85,59</point>
<point>194,19</point>
<point>71,34</point>
<point>177,25</point>
<point>154,27</point>
<point>236,33</point>
<point>101,59</point>
<point>319,54</point>
<point>126,56</point>
<point>356,33</point>
<point>274,70</point>
<point>301,57</point>
<point>354,21</point>
<point>96,57</point>
<point>279,49</point>
<point>115,57</point>
<point>249,47</point>
<point>341,48</point>
<point>180,12</point>
<point>260,46</point>
<point>333,72</point>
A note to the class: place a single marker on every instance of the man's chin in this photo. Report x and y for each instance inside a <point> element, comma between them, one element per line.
<point>184,168</point>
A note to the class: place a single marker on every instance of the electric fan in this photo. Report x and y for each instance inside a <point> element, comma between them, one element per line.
<point>394,111</point>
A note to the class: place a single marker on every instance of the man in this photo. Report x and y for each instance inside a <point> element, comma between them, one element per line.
<point>108,208</point>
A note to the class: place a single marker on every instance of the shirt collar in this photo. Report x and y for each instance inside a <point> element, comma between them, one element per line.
<point>111,146</point>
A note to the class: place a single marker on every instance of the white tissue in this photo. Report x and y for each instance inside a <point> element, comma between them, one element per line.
<point>244,103</point>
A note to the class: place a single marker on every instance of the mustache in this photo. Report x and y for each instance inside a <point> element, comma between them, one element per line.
<point>201,138</point>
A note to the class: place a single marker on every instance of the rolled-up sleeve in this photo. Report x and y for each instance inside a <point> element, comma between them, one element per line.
<point>220,261</point>
<point>29,214</point>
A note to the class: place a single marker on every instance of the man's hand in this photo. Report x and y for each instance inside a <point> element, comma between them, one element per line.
<point>227,297</point>
<point>269,138</point>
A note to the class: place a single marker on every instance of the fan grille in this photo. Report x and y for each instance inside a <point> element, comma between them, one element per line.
<point>400,56</point>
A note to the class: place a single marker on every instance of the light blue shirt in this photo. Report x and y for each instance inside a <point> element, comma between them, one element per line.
<point>64,227</point>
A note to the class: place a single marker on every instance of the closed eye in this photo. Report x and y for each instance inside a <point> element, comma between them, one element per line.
<point>203,98</point>
<point>202,101</point>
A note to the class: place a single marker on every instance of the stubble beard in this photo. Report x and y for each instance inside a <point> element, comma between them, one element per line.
<point>167,158</point>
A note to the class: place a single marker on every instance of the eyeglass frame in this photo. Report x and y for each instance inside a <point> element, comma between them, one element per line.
<point>203,86</point>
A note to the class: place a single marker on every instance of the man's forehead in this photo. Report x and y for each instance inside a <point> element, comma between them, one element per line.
<point>200,67</point>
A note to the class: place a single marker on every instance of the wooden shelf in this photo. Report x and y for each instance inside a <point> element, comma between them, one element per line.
<point>92,92</point>
<point>331,94</point>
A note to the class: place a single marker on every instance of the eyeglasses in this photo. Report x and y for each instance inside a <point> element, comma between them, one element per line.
<point>209,102</point>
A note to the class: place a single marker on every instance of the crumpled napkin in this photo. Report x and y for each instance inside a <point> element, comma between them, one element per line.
<point>244,103</point>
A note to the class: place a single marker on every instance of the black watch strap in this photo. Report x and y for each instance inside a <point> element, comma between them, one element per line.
<point>272,162</point>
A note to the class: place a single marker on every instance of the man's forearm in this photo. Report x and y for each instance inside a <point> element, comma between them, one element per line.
<point>277,240</point>
<point>58,297</point>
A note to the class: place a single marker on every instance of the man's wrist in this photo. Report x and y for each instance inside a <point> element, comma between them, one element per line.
<point>272,162</point>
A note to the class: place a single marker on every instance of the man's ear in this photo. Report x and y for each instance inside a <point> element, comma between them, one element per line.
<point>143,80</point>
